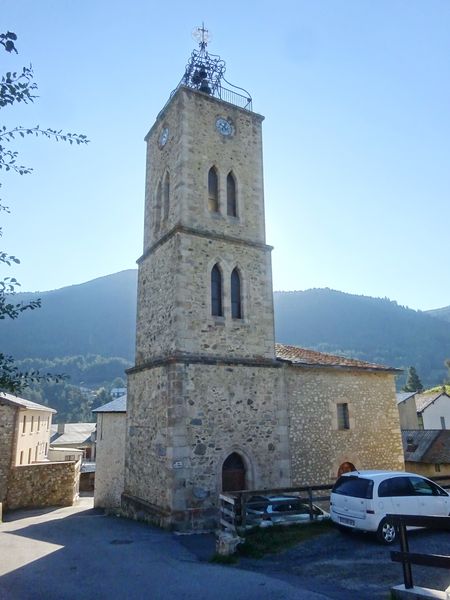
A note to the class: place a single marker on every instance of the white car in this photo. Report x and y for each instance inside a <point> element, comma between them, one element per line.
<point>362,499</point>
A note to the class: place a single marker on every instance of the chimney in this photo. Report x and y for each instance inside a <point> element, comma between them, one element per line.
<point>60,429</point>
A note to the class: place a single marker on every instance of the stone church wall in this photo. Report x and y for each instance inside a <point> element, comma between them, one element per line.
<point>318,447</point>
<point>149,416</point>
<point>156,314</point>
<point>215,409</point>
<point>194,146</point>
<point>200,332</point>
<point>7,425</point>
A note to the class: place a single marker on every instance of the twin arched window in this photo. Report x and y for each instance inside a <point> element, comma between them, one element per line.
<point>217,293</point>
<point>162,202</point>
<point>213,193</point>
<point>213,190</point>
<point>166,196</point>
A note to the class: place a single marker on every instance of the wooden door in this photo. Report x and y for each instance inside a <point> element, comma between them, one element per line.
<point>233,473</point>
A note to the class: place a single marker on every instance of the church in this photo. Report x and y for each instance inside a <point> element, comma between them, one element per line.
<point>214,403</point>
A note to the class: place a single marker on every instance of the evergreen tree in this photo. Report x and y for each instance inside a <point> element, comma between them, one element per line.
<point>413,383</point>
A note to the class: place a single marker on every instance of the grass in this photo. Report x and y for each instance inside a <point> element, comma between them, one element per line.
<point>270,540</point>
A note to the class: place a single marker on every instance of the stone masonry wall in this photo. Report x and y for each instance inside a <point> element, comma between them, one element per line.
<point>147,464</point>
<point>318,448</point>
<point>193,147</point>
<point>110,459</point>
<point>186,419</point>
<point>44,484</point>
<point>7,426</point>
<point>174,301</point>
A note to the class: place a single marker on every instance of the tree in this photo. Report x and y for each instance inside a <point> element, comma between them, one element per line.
<point>413,383</point>
<point>15,88</point>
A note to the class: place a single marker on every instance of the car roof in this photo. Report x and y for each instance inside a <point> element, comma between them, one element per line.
<point>378,474</point>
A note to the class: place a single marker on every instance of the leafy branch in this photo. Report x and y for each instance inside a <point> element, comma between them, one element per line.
<point>15,88</point>
<point>14,381</point>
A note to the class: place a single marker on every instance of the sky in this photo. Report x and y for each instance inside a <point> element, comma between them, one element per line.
<point>356,98</point>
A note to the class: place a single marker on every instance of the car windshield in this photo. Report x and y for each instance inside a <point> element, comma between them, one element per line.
<point>352,485</point>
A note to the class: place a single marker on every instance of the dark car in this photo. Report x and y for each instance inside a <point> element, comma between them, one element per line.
<point>265,511</point>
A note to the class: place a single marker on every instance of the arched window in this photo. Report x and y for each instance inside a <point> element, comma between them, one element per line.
<point>213,190</point>
<point>166,196</point>
<point>157,207</point>
<point>236,297</point>
<point>231,196</point>
<point>233,473</point>
<point>216,292</point>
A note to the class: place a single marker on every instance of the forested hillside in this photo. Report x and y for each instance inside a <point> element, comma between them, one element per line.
<point>97,317</point>
<point>372,329</point>
<point>88,330</point>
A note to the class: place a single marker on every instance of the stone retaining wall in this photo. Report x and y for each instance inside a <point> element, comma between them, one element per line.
<point>45,484</point>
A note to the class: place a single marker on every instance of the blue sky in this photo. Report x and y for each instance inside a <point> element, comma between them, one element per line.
<point>356,96</point>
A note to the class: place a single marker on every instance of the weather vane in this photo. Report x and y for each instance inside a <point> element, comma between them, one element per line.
<point>205,72</point>
<point>202,35</point>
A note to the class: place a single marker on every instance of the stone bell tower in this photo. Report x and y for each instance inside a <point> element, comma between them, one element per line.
<point>204,413</point>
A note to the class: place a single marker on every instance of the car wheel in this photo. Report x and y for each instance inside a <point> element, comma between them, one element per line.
<point>387,532</point>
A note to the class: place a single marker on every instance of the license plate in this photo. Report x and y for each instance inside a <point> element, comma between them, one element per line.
<point>346,521</point>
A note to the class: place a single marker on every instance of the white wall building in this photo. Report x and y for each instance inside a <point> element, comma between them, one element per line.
<point>110,462</point>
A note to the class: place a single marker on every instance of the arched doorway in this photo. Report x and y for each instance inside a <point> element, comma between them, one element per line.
<point>346,467</point>
<point>233,473</point>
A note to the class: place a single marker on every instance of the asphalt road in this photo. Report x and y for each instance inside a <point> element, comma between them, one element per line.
<point>353,566</point>
<point>74,553</point>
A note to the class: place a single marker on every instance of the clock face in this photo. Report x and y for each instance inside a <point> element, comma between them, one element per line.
<point>224,126</point>
<point>163,137</point>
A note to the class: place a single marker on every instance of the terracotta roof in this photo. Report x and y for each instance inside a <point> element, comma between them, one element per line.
<point>22,403</point>
<point>424,400</point>
<point>439,451</point>
<point>302,356</point>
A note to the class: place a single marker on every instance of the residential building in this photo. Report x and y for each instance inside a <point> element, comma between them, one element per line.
<point>110,461</point>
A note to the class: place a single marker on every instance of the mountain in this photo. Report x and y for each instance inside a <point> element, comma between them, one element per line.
<point>372,329</point>
<point>440,313</point>
<point>98,317</point>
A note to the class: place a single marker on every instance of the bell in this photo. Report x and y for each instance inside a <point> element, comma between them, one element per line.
<point>202,73</point>
<point>204,87</point>
<point>196,79</point>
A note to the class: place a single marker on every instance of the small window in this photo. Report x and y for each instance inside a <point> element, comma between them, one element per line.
<point>443,423</point>
<point>236,298</point>
<point>21,457</point>
<point>46,448</point>
<point>231,196</point>
<point>437,468</point>
<point>36,454</point>
<point>39,423</point>
<point>29,456</point>
<point>213,190</point>
<point>32,423</point>
<point>342,416</point>
<point>166,196</point>
<point>216,292</point>
<point>24,425</point>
